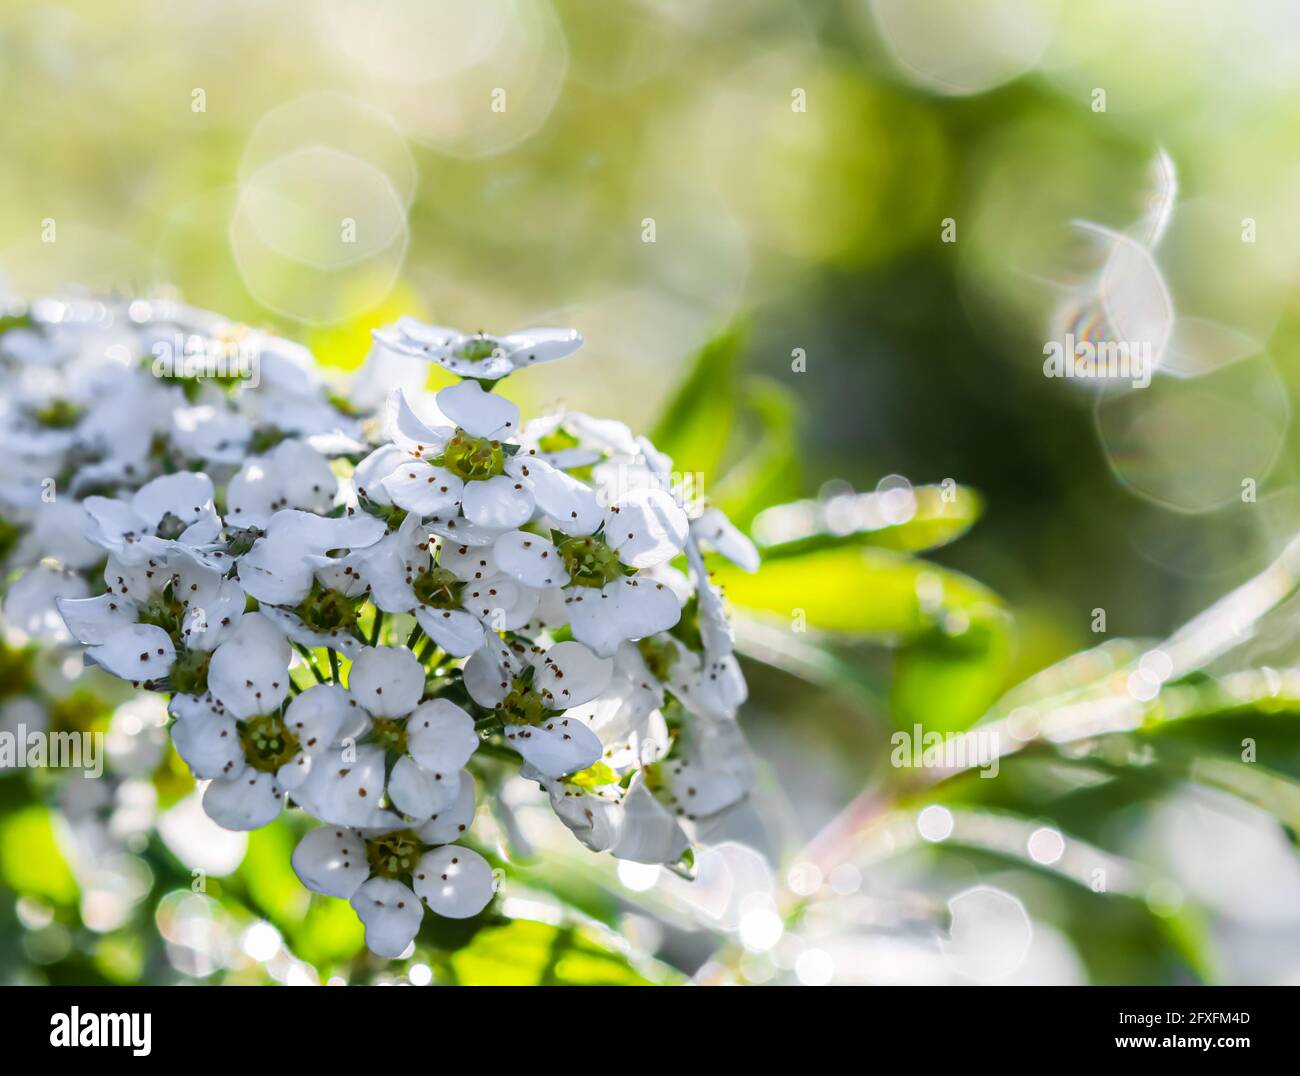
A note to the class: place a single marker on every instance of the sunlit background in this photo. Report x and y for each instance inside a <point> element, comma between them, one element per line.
<point>872,204</point>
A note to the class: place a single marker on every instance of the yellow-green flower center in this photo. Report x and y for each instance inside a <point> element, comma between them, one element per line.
<point>590,562</point>
<point>58,415</point>
<point>659,655</point>
<point>439,588</point>
<point>394,854</point>
<point>328,612</point>
<point>473,459</point>
<point>390,733</point>
<point>268,744</point>
<point>477,348</point>
<point>523,705</point>
<point>189,673</point>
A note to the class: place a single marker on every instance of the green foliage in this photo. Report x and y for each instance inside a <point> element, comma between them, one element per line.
<point>527,953</point>
<point>863,592</point>
<point>697,423</point>
<point>30,860</point>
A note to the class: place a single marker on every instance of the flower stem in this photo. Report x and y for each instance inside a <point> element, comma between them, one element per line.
<point>311,662</point>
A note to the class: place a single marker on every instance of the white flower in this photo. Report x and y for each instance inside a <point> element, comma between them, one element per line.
<point>291,475</point>
<point>276,570</point>
<point>603,604</point>
<point>160,620</point>
<point>388,876</point>
<point>455,592</point>
<point>531,689</point>
<point>427,743</point>
<point>486,358</point>
<point>465,470</point>
<point>174,507</point>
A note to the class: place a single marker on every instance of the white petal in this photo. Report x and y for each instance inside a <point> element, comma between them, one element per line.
<point>311,533</point>
<point>411,435</point>
<point>501,603</point>
<point>592,615</point>
<point>420,487</point>
<point>388,681</point>
<point>500,502</point>
<point>440,736</point>
<point>597,822</point>
<point>419,793</point>
<point>389,563</point>
<point>478,413</point>
<point>714,773</point>
<point>208,741</point>
<point>185,495</point>
<point>331,860</point>
<point>346,791</point>
<point>454,882</point>
<point>488,673</point>
<point>249,801</point>
<point>249,672</point>
<point>94,620</point>
<point>569,674</point>
<point>573,505</point>
<point>717,531</point>
<point>467,562</point>
<point>629,608</point>
<point>449,823</point>
<point>646,527</point>
<point>530,346</point>
<point>530,559</point>
<point>319,715</point>
<point>557,746</point>
<point>391,914</point>
<point>368,478</point>
<point>456,631</point>
<point>306,479</point>
<point>456,528</point>
<point>644,607</point>
<point>113,524</point>
<point>650,834</point>
<point>139,653</point>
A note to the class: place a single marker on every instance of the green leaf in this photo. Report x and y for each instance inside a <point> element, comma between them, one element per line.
<point>941,517</point>
<point>945,682</point>
<point>30,860</point>
<point>329,933</point>
<point>696,425</point>
<point>863,592</point>
<point>767,468</point>
<point>527,953</point>
<point>268,874</point>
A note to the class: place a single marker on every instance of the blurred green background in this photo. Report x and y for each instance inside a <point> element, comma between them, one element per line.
<point>768,182</point>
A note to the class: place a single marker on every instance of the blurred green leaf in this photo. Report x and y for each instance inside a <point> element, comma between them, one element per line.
<point>527,953</point>
<point>329,933</point>
<point>946,682</point>
<point>863,592</point>
<point>696,424</point>
<point>30,859</point>
<point>268,874</point>
<point>937,522</point>
<point>767,469</point>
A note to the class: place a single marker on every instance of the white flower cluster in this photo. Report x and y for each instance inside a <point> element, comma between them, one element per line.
<point>360,612</point>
